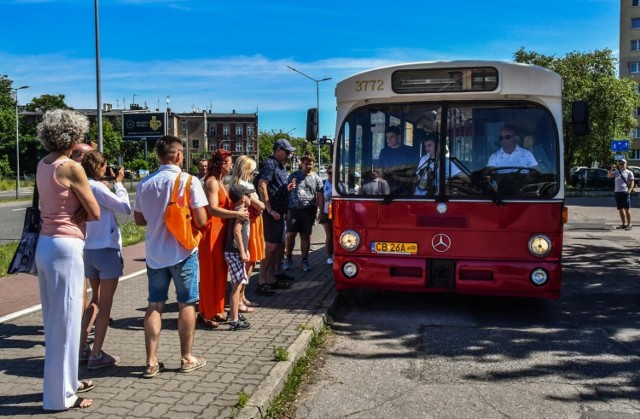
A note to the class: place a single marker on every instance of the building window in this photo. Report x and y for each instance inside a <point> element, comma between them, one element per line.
<point>250,130</point>
<point>635,23</point>
<point>226,146</point>
<point>212,146</point>
<point>226,130</point>
<point>635,133</point>
<point>239,130</point>
<point>635,154</point>
<point>635,44</point>
<point>238,145</point>
<point>634,67</point>
<point>212,130</point>
<point>195,144</point>
<point>249,146</point>
<point>634,3</point>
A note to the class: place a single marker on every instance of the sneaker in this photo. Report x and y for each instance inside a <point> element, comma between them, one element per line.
<point>621,227</point>
<point>288,261</point>
<point>265,289</point>
<point>239,325</point>
<point>628,227</point>
<point>196,364</point>
<point>329,261</point>
<point>305,265</point>
<point>284,277</point>
<point>105,360</point>
<point>84,354</point>
<point>280,285</point>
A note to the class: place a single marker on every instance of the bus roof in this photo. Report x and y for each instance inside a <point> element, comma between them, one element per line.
<point>520,80</point>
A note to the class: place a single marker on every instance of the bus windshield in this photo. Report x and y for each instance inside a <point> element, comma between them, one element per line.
<point>482,150</point>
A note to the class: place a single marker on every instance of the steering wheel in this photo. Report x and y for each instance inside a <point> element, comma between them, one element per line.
<point>507,170</point>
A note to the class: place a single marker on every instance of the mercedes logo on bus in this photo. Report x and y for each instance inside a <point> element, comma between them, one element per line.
<point>441,243</point>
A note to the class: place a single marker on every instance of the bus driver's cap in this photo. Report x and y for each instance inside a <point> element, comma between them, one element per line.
<point>622,161</point>
<point>285,145</point>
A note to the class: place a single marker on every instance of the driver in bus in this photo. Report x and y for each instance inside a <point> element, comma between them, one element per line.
<point>397,160</point>
<point>510,154</point>
<point>428,167</point>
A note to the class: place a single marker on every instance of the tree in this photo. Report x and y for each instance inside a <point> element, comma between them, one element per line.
<point>591,76</point>
<point>46,103</point>
<point>111,140</point>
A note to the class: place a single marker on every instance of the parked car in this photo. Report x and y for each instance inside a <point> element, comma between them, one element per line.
<point>636,174</point>
<point>592,179</point>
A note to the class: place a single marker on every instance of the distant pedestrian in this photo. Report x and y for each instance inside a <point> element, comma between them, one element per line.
<point>304,200</point>
<point>325,220</point>
<point>167,259</point>
<point>624,184</point>
<point>66,204</point>
<point>236,254</point>
<point>243,173</point>
<point>202,169</point>
<point>274,192</point>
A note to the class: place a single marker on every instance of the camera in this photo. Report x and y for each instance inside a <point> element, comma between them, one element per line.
<point>111,173</point>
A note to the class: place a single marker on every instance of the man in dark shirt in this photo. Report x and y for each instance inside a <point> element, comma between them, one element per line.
<point>397,161</point>
<point>274,192</point>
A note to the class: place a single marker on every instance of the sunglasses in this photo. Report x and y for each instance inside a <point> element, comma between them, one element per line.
<point>505,137</point>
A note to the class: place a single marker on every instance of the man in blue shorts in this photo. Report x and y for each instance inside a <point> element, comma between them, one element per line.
<point>167,259</point>
<point>624,185</point>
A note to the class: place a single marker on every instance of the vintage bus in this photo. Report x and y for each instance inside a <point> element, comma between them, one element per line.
<point>494,226</point>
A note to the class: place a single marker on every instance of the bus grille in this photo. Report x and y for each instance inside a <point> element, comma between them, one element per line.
<point>456,221</point>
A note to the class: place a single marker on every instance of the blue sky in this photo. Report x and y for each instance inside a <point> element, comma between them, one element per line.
<point>226,55</point>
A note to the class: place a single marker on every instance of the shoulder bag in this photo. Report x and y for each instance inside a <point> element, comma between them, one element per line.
<point>24,260</point>
<point>177,217</point>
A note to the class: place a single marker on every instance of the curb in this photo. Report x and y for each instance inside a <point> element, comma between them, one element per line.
<point>273,384</point>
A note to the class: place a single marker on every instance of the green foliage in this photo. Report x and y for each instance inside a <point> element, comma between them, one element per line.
<point>591,76</point>
<point>280,354</point>
<point>267,139</point>
<point>131,233</point>
<point>111,139</point>
<point>5,169</point>
<point>243,399</point>
<point>46,103</point>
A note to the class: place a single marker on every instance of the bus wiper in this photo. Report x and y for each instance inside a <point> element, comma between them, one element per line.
<point>482,182</point>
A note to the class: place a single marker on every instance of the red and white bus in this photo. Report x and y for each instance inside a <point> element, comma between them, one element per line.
<point>490,229</point>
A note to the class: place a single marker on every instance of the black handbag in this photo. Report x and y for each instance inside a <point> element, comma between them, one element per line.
<point>24,260</point>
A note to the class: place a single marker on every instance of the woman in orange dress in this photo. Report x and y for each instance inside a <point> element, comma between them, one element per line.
<point>213,268</point>
<point>242,174</point>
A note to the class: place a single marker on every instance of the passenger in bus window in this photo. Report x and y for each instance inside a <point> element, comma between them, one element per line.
<point>510,153</point>
<point>373,184</point>
<point>397,160</point>
<point>429,168</point>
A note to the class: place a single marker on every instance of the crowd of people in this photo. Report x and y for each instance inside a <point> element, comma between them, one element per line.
<point>243,222</point>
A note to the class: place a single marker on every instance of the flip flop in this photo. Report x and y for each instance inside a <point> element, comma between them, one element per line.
<point>152,370</point>
<point>85,386</point>
<point>81,403</point>
<point>210,324</point>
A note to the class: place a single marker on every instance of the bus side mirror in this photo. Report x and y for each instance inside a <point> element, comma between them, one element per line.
<point>580,117</point>
<point>312,125</point>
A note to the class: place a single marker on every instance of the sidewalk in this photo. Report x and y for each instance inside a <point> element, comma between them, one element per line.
<point>236,361</point>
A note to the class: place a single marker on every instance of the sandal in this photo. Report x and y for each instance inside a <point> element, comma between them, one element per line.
<point>85,386</point>
<point>209,324</point>
<point>250,303</point>
<point>196,364</point>
<point>152,370</point>
<point>81,403</point>
<point>243,308</point>
<point>220,318</point>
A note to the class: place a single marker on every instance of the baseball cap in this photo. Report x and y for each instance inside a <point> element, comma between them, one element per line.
<point>622,161</point>
<point>236,191</point>
<point>284,144</point>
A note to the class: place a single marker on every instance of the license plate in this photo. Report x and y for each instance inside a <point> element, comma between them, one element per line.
<point>394,248</point>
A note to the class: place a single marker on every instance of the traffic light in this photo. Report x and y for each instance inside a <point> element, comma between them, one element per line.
<point>312,124</point>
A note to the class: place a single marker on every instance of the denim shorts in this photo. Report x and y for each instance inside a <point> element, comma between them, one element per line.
<point>185,276</point>
<point>623,200</point>
<point>103,263</point>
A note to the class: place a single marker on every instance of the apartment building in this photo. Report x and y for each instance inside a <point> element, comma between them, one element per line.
<point>629,60</point>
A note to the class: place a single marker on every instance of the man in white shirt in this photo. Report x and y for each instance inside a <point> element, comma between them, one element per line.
<point>167,259</point>
<point>510,154</point>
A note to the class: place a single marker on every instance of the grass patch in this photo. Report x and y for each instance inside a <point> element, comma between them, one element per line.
<point>131,234</point>
<point>243,399</point>
<point>280,354</point>
<point>301,369</point>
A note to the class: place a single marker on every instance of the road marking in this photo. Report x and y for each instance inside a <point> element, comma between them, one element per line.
<point>33,309</point>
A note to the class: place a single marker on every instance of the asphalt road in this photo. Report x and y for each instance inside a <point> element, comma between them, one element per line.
<point>446,356</point>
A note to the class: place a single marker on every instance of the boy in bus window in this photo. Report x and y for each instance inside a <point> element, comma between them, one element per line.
<point>429,167</point>
<point>510,154</point>
<point>397,160</point>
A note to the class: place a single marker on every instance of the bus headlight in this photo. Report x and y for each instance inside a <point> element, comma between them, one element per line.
<point>349,269</point>
<point>540,245</point>
<point>349,240</point>
<point>539,277</point>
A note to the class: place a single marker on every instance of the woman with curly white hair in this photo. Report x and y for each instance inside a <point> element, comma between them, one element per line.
<point>66,204</point>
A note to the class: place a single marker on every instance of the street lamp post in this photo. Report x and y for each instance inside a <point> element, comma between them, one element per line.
<point>15,91</point>
<point>317,105</point>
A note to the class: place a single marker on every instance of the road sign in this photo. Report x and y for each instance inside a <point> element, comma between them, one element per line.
<point>619,145</point>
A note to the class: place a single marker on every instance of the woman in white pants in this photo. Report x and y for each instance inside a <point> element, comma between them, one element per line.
<point>66,203</point>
